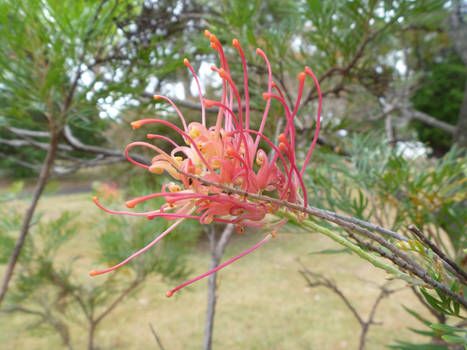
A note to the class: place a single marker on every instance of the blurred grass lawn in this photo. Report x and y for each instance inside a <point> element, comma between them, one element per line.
<point>263,302</point>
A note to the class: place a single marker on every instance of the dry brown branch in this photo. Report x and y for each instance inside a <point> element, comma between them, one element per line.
<point>457,270</point>
<point>153,331</point>
<point>316,280</point>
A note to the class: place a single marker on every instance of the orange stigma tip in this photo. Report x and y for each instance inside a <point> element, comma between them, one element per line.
<point>186,62</point>
<point>301,76</point>
<point>273,84</point>
<point>213,45</point>
<point>95,199</point>
<point>259,51</point>
<point>156,97</point>
<point>308,70</point>
<point>235,43</point>
<point>169,294</point>
<point>208,103</point>
<point>207,33</point>
<point>93,273</point>
<point>136,124</point>
<point>130,204</point>
<point>223,73</point>
<point>266,95</point>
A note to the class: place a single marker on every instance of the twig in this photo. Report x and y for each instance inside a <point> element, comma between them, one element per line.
<point>459,272</point>
<point>360,252</point>
<point>321,280</point>
<point>20,162</point>
<point>396,260</point>
<point>112,306</point>
<point>153,331</point>
<point>414,268</point>
<point>427,119</point>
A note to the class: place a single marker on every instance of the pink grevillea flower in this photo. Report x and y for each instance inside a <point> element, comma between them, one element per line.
<point>227,153</point>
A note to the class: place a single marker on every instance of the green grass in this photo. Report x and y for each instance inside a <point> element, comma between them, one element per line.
<point>263,302</point>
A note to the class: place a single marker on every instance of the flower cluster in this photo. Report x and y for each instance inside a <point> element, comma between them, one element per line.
<point>219,159</point>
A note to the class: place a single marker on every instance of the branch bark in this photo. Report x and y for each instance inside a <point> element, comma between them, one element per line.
<point>427,119</point>
<point>217,250</point>
<point>321,280</point>
<point>94,322</point>
<point>457,270</point>
<point>40,185</point>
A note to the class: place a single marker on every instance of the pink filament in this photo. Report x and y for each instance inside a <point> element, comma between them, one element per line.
<point>221,266</point>
<point>157,136</point>
<point>203,112</point>
<point>309,72</point>
<point>162,235</point>
<point>176,110</point>
<point>144,144</point>
<point>245,83</point>
<point>268,103</point>
<point>122,212</point>
<point>289,122</point>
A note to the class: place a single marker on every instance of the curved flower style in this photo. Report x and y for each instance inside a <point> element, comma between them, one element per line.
<point>228,154</point>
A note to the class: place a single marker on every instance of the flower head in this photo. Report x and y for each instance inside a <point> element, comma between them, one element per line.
<point>219,162</point>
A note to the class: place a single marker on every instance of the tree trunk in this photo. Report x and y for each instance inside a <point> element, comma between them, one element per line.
<point>92,328</point>
<point>211,307</point>
<point>389,131</point>
<point>460,137</point>
<point>41,182</point>
<point>217,250</point>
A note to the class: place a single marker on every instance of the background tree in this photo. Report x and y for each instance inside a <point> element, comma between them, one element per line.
<point>63,62</point>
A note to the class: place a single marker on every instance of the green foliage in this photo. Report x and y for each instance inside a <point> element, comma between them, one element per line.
<point>451,334</point>
<point>37,270</point>
<point>10,222</point>
<point>440,95</point>
<point>377,183</point>
<point>46,46</point>
<point>408,346</point>
<point>448,336</point>
<point>443,303</point>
